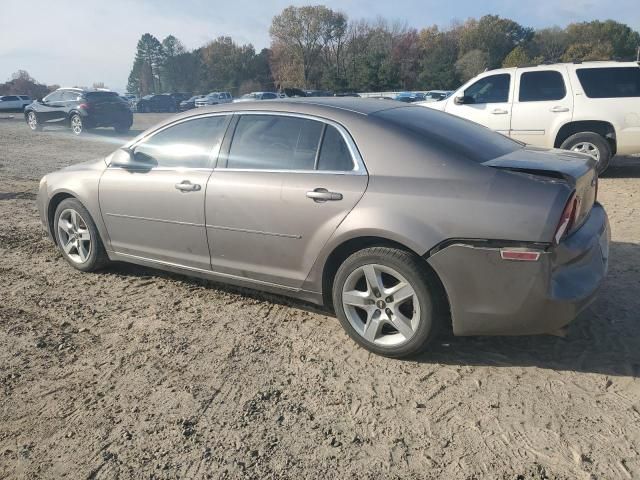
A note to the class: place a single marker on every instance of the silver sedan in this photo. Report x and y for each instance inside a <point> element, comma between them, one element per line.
<point>403,220</point>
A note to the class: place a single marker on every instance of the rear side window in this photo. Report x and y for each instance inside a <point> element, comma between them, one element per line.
<point>615,82</point>
<point>274,142</point>
<point>9,98</point>
<point>268,96</point>
<point>449,134</point>
<point>185,145</point>
<point>334,153</point>
<point>70,96</point>
<point>491,89</point>
<point>541,86</point>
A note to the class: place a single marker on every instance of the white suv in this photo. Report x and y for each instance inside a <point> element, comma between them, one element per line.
<point>214,98</point>
<point>14,102</point>
<point>591,107</point>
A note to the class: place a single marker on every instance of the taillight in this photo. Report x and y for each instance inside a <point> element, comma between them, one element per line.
<point>84,105</point>
<point>568,217</point>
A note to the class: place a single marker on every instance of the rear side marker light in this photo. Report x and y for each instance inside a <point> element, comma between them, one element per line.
<point>519,255</point>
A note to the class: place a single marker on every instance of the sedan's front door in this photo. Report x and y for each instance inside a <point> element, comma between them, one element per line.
<point>276,198</point>
<point>157,211</point>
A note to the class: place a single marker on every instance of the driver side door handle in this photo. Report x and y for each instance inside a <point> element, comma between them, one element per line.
<point>559,109</point>
<point>499,111</point>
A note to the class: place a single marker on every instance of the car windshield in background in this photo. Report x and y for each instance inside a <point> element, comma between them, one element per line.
<point>615,82</point>
<point>450,134</point>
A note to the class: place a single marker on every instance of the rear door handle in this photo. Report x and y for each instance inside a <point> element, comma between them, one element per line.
<point>187,186</point>
<point>560,109</point>
<point>499,111</point>
<point>322,195</point>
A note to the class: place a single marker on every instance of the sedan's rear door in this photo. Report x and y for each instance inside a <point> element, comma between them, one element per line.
<point>156,212</point>
<point>282,186</point>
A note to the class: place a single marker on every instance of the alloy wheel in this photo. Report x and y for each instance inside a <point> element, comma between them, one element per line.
<point>74,236</point>
<point>76,124</point>
<point>588,148</point>
<point>381,305</point>
<point>32,121</point>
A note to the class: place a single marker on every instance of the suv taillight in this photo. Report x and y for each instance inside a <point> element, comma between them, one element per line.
<point>568,217</point>
<point>84,105</point>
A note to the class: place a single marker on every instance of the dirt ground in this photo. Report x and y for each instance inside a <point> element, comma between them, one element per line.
<point>135,373</point>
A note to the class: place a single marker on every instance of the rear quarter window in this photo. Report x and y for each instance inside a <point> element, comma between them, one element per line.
<point>446,132</point>
<point>614,82</point>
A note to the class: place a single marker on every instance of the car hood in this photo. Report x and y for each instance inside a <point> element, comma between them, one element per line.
<point>94,164</point>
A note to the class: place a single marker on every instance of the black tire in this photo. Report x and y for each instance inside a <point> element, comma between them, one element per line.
<point>35,127</point>
<point>122,129</point>
<point>425,286</point>
<point>97,257</point>
<point>595,139</point>
<point>76,124</point>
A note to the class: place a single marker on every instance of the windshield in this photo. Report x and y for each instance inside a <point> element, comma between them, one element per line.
<point>446,132</point>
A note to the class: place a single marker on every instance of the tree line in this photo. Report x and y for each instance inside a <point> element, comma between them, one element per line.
<point>315,47</point>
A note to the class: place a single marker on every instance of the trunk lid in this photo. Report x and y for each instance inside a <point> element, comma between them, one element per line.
<point>576,170</point>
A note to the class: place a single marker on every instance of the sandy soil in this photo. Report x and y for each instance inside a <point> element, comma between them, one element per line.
<point>135,373</point>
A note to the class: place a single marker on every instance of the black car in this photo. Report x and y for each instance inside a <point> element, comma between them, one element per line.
<point>156,103</point>
<point>80,109</point>
<point>189,103</point>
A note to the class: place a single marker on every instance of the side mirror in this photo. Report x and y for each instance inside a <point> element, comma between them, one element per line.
<point>462,100</point>
<point>125,158</point>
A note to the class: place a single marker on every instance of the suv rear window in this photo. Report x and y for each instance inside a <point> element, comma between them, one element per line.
<point>448,133</point>
<point>101,96</point>
<point>541,86</point>
<point>614,82</point>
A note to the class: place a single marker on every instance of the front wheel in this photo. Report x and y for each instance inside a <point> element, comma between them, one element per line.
<point>77,236</point>
<point>386,301</point>
<point>34,122</point>
<point>77,126</point>
<point>592,144</point>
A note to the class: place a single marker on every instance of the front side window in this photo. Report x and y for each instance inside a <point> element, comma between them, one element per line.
<point>188,144</point>
<point>614,82</point>
<point>268,96</point>
<point>491,89</point>
<point>53,97</point>
<point>9,98</point>
<point>541,86</point>
<point>274,142</point>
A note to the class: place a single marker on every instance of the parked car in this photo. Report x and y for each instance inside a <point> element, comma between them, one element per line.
<point>591,107</point>
<point>437,95</point>
<point>189,103</point>
<point>247,97</point>
<point>14,102</point>
<point>80,109</point>
<point>346,94</point>
<point>398,249</point>
<point>318,93</point>
<point>410,97</point>
<point>179,97</point>
<point>214,98</point>
<point>156,103</point>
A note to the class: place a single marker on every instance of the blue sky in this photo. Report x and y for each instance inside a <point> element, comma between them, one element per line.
<point>95,40</point>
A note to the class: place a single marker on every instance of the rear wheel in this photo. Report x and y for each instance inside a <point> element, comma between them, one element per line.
<point>77,126</point>
<point>592,144</point>
<point>77,236</point>
<point>34,122</point>
<point>385,300</point>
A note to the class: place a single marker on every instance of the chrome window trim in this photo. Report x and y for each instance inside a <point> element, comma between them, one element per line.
<point>356,158</point>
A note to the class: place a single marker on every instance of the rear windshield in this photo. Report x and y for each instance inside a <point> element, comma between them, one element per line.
<point>615,82</point>
<point>447,132</point>
<point>101,96</point>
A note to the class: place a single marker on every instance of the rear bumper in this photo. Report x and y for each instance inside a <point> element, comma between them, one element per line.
<point>491,296</point>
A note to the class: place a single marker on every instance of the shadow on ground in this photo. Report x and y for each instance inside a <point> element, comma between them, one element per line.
<point>604,339</point>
